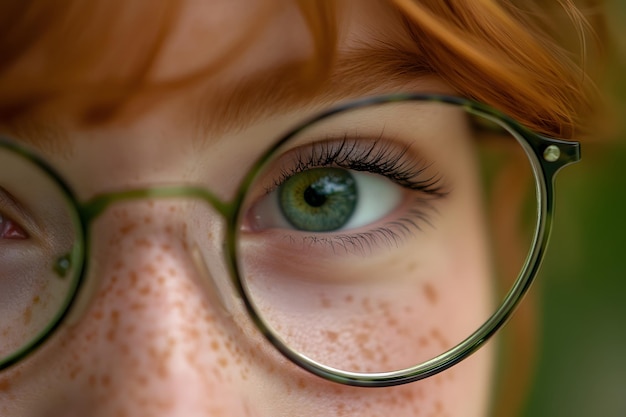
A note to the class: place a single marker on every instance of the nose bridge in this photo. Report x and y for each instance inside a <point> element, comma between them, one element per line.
<point>155,311</point>
<point>145,231</point>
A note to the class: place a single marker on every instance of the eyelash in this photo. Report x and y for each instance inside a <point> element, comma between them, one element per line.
<point>377,157</point>
<point>380,157</point>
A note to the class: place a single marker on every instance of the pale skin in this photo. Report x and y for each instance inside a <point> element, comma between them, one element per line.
<point>151,335</point>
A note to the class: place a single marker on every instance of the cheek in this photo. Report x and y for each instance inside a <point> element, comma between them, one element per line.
<point>153,341</point>
<point>386,317</point>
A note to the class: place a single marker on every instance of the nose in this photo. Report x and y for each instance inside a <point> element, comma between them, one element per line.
<point>154,339</point>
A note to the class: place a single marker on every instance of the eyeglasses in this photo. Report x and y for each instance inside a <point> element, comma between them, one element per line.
<point>378,243</point>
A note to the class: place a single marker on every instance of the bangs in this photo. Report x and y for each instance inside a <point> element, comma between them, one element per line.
<point>96,61</point>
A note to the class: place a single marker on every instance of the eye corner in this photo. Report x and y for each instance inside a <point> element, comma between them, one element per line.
<point>10,230</point>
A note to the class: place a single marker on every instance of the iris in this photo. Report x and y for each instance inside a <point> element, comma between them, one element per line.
<point>319,199</point>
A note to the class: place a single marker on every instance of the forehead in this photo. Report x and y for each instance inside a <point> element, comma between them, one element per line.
<point>249,58</point>
<point>233,37</point>
<point>259,57</point>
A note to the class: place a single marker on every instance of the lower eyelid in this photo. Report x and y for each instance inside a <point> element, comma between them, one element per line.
<point>412,217</point>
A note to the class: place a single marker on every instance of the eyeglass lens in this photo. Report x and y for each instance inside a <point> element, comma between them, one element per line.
<point>371,241</point>
<point>381,237</point>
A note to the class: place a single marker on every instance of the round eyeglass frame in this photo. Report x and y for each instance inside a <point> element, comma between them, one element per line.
<point>546,155</point>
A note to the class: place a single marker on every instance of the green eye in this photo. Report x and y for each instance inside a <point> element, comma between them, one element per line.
<point>319,199</point>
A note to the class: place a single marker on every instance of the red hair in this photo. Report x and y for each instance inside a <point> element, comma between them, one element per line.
<point>530,60</point>
<point>505,54</point>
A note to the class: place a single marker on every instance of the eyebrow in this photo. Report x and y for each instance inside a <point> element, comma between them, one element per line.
<point>367,70</point>
<point>374,68</point>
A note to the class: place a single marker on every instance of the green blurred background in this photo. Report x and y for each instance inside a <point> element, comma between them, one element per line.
<point>581,369</point>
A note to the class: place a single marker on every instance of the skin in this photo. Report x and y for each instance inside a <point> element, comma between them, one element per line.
<point>155,333</point>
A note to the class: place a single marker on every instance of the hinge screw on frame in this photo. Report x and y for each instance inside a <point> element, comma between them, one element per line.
<point>552,153</point>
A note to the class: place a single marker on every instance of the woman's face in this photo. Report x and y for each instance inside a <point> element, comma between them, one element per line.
<point>156,334</point>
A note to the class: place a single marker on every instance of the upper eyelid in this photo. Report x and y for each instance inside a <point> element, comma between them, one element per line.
<point>392,160</point>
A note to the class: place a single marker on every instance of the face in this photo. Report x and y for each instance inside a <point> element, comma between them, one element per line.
<point>158,330</point>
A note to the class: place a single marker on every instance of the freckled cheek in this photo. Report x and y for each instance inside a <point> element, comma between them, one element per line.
<point>372,315</point>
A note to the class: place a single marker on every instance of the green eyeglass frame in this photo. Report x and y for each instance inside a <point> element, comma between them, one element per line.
<point>546,155</point>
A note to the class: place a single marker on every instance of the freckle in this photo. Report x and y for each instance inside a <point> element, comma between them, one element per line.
<point>430,293</point>
<point>143,380</point>
<point>133,278</point>
<point>124,230</point>
<point>301,383</point>
<point>223,362</point>
<point>36,299</point>
<point>367,305</point>
<point>105,380</point>
<point>147,220</point>
<point>166,247</point>
<point>5,385</point>
<point>161,280</point>
<point>110,335</point>
<point>162,370</point>
<point>423,342</point>
<point>137,306</point>
<point>74,372</point>
<point>349,298</point>
<point>143,242</point>
<point>145,290</point>
<point>97,314</point>
<point>118,265</point>
<point>332,336</point>
<point>362,338</point>
<point>92,380</point>
<point>121,413</point>
<point>438,407</point>
<point>172,209</point>
<point>28,315</point>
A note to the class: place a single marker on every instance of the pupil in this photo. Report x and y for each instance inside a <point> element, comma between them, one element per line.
<point>314,198</point>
